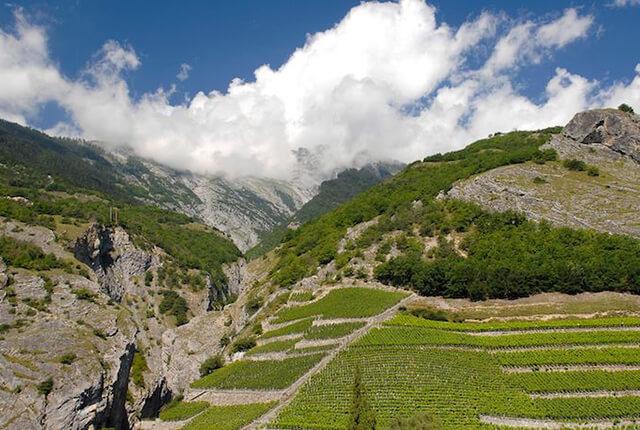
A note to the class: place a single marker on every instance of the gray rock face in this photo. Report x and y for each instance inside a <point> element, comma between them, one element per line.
<point>617,130</point>
<point>113,257</point>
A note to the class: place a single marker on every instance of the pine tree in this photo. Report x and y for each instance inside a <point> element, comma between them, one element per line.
<point>362,416</point>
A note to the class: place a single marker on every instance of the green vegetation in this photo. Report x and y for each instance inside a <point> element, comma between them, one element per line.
<point>22,254</point>
<point>178,411</point>
<point>296,327</point>
<point>331,331</point>
<point>277,346</point>
<point>243,344</point>
<point>316,242</point>
<point>330,195</point>
<point>138,367</point>
<point>510,257</point>
<point>344,303</point>
<point>362,416</point>
<point>422,421</point>
<point>408,375</point>
<point>174,304</point>
<point>228,417</point>
<point>576,165</point>
<point>211,364</point>
<point>626,108</point>
<point>259,375</point>
<point>67,358</point>
<point>45,387</point>
<point>405,319</point>
<point>301,296</point>
<point>576,381</point>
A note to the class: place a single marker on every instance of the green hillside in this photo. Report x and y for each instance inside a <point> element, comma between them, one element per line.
<point>333,192</point>
<point>63,185</point>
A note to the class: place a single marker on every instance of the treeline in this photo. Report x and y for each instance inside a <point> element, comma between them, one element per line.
<point>506,256</point>
<point>316,242</point>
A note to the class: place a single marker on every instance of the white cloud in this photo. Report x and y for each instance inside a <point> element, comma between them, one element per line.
<point>624,3</point>
<point>345,95</point>
<point>183,72</point>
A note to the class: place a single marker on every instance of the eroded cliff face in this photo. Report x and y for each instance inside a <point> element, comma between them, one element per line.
<point>608,139</point>
<point>102,342</point>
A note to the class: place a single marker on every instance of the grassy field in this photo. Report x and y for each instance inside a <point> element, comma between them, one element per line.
<point>259,375</point>
<point>228,417</point>
<point>344,303</point>
<point>459,372</point>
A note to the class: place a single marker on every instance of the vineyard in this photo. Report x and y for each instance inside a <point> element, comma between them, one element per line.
<point>473,374</point>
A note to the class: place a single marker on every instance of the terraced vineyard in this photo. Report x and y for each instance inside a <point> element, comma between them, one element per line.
<point>482,375</point>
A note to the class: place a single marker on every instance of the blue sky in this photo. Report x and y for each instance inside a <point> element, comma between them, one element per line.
<point>222,40</point>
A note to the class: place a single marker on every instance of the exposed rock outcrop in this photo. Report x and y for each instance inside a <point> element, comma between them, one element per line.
<point>617,130</point>
<point>606,138</point>
<point>114,258</point>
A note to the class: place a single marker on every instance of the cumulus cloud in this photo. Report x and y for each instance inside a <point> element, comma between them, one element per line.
<point>387,81</point>
<point>183,72</point>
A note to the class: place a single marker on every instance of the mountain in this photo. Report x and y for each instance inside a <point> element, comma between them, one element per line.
<point>331,194</point>
<point>416,298</point>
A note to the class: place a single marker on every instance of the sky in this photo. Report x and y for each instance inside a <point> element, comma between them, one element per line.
<point>237,88</point>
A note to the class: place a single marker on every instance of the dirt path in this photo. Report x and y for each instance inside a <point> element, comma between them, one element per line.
<point>548,330</point>
<point>566,368</point>
<point>290,392</point>
<point>603,393</point>
<point>523,423</point>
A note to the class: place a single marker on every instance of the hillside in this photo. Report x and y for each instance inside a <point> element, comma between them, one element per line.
<point>508,322</point>
<point>605,198</point>
<point>458,305</point>
<point>331,193</point>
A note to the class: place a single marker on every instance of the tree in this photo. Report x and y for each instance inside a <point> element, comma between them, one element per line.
<point>625,108</point>
<point>362,416</point>
<point>211,364</point>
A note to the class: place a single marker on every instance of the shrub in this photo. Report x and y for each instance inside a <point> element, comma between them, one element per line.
<point>626,108</point>
<point>575,165</point>
<point>539,180</point>
<point>45,387</point>
<point>174,304</point>
<point>253,304</point>
<point>211,364</point>
<point>430,314</point>
<point>593,171</point>
<point>148,278</point>
<point>84,294</point>
<point>67,358</point>
<point>244,344</point>
<point>138,367</point>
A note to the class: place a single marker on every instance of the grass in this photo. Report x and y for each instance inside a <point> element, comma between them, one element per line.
<point>404,319</point>
<point>344,303</point>
<point>228,417</point>
<point>259,375</point>
<point>456,377</point>
<point>277,346</point>
<point>179,411</point>
<point>332,331</point>
<point>296,327</point>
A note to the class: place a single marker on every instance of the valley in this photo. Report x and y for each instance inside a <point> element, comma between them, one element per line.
<point>447,295</point>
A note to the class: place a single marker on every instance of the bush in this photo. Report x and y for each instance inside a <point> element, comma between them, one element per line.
<point>67,358</point>
<point>575,165</point>
<point>84,294</point>
<point>244,344</point>
<point>148,278</point>
<point>174,304</point>
<point>430,314</point>
<point>211,364</point>
<point>593,171</point>
<point>45,387</point>
<point>626,108</point>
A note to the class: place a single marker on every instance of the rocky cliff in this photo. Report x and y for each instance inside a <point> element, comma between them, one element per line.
<point>96,348</point>
<point>605,198</point>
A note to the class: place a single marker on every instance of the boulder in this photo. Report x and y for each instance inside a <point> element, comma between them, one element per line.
<point>615,129</point>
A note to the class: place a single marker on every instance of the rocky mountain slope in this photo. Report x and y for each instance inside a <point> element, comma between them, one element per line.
<point>606,199</point>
